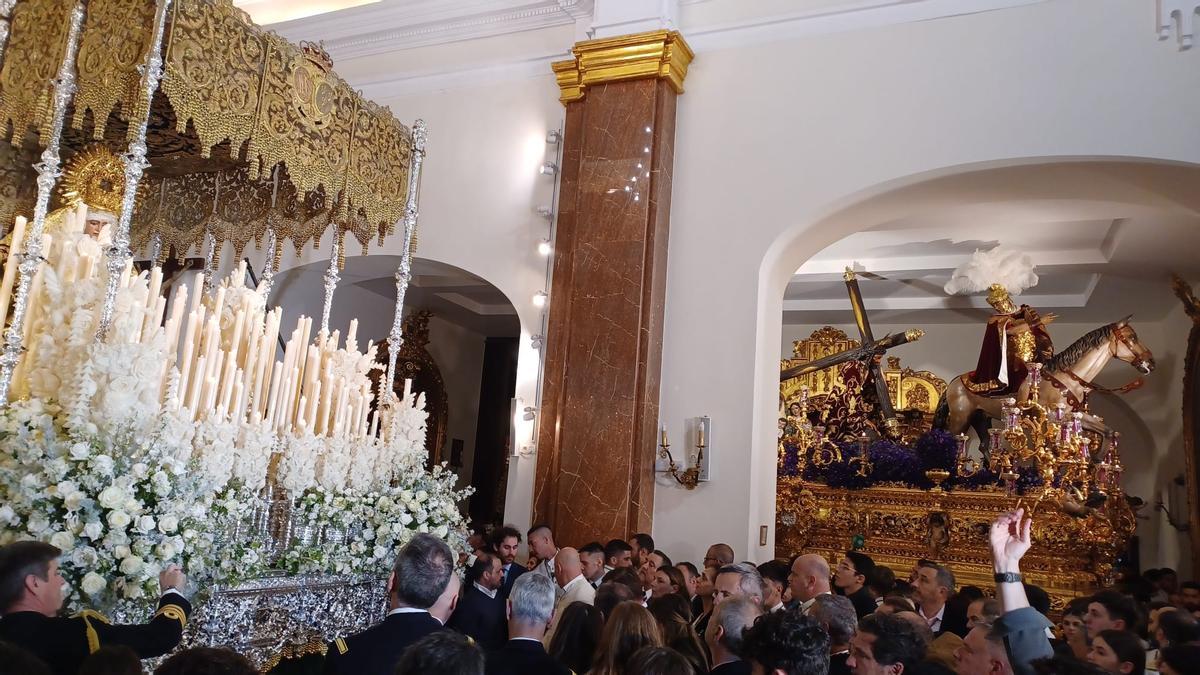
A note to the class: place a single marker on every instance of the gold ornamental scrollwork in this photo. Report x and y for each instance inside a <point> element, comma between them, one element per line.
<point>36,43</point>
<point>114,42</point>
<point>214,70</point>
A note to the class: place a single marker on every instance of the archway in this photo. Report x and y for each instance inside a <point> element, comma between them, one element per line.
<point>469,332</point>
<point>1145,211</point>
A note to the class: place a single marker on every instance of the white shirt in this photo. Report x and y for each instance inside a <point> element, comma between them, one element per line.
<point>546,567</point>
<point>807,604</point>
<point>776,608</point>
<point>935,621</point>
<point>408,610</point>
<point>490,592</point>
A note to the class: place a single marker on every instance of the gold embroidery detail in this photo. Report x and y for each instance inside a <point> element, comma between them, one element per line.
<point>173,612</point>
<point>1024,346</point>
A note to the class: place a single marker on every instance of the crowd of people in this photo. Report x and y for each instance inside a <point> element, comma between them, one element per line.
<point>625,607</point>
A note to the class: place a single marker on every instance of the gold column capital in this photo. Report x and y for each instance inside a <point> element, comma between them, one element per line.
<point>660,54</point>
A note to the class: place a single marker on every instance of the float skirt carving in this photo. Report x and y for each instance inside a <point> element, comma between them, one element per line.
<point>1071,556</point>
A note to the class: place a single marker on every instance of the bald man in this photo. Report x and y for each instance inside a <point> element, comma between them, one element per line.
<point>718,556</point>
<point>808,579</point>
<point>568,572</point>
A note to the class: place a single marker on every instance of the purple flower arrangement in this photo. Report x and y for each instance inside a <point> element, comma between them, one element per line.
<point>893,463</point>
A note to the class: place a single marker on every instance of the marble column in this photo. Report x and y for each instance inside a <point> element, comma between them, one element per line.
<point>599,415</point>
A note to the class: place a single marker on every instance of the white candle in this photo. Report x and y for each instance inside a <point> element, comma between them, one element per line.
<point>10,267</point>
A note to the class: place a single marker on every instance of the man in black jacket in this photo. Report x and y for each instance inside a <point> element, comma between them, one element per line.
<point>418,578</point>
<point>851,576</point>
<point>31,596</point>
<point>530,610</point>
<point>480,612</point>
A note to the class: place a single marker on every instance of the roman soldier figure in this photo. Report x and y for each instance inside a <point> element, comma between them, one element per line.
<point>1015,337</point>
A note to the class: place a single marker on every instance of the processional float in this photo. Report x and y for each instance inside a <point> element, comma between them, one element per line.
<point>866,461</point>
<point>184,127</point>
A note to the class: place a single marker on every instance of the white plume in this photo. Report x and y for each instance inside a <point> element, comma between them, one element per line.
<point>1008,267</point>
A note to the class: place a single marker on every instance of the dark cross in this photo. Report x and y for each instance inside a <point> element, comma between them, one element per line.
<point>869,353</point>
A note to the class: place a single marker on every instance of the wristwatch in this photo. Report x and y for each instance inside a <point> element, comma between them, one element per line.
<point>1007,578</point>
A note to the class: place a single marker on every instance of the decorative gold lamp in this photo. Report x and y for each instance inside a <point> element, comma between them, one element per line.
<point>689,477</point>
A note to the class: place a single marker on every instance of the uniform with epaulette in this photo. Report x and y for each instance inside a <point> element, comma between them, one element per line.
<point>378,649</point>
<point>65,642</point>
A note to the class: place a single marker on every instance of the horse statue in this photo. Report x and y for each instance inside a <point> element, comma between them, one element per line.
<point>1068,378</point>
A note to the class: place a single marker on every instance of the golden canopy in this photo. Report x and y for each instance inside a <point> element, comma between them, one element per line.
<point>247,131</point>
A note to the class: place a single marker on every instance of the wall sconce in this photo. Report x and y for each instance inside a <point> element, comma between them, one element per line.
<point>544,247</point>
<point>536,341</point>
<point>553,137</point>
<point>545,212</point>
<point>530,413</point>
<point>540,298</point>
<point>548,169</point>
<point>689,476</point>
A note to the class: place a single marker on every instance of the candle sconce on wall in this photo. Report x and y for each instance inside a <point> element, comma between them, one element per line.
<point>695,458</point>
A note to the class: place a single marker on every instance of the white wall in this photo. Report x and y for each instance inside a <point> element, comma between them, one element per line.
<point>459,355</point>
<point>1148,419</point>
<point>773,139</point>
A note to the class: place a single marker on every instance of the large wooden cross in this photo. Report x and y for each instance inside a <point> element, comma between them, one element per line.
<point>869,353</point>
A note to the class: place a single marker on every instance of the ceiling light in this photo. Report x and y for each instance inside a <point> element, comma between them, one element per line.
<point>544,247</point>
<point>549,169</point>
<point>553,137</point>
<point>540,298</point>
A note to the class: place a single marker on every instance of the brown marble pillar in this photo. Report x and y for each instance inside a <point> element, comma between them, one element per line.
<point>598,425</point>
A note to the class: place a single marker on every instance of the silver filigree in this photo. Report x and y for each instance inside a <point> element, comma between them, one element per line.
<point>47,176</point>
<point>404,272</point>
<point>331,282</point>
<point>210,262</point>
<point>268,274</point>
<point>119,254</point>
<point>6,8</point>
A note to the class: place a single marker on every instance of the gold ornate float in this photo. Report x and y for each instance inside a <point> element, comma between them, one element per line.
<point>1076,544</point>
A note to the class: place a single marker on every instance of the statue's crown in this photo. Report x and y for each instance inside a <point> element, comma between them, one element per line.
<point>316,54</point>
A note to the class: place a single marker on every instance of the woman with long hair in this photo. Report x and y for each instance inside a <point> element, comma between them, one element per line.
<point>628,629</point>
<point>669,580</point>
<point>660,661</point>
<point>575,639</point>
<point>673,615</point>
<point>1118,652</point>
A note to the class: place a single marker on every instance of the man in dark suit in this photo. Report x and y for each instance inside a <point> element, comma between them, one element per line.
<point>418,578</point>
<point>480,612</point>
<point>505,542</point>
<point>851,576</point>
<point>838,617</point>
<point>530,609</point>
<point>723,635</point>
<point>31,595</point>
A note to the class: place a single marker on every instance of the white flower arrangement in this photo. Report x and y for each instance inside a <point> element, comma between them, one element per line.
<point>99,458</point>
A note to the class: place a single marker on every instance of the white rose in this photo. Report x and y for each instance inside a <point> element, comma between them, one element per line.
<point>132,505</point>
<point>119,519</point>
<point>103,465</point>
<point>7,515</point>
<point>165,550</point>
<point>66,487</point>
<point>93,530</point>
<point>168,524</point>
<point>131,565</point>
<point>64,541</point>
<point>145,524</point>
<point>405,519</point>
<point>80,451</point>
<point>73,501</point>
<point>120,551</point>
<point>38,523</point>
<point>140,470</point>
<point>93,583</point>
<point>111,497</point>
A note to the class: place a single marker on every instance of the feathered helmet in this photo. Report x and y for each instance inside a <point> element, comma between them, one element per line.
<point>1000,271</point>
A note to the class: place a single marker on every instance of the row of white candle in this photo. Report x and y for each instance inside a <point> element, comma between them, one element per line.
<point>228,372</point>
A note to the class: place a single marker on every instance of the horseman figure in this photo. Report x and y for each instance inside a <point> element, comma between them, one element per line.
<point>1014,338</point>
